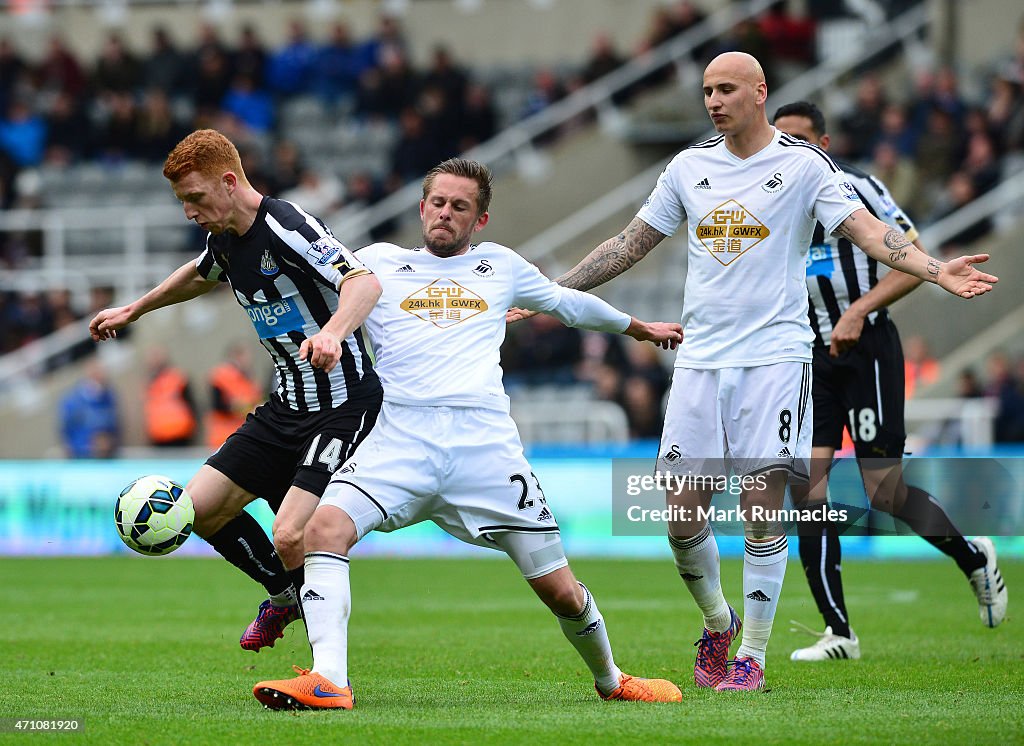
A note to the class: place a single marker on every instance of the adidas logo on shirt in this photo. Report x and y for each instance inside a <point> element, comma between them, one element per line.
<point>405,268</point>
<point>784,453</point>
<point>545,515</point>
<point>702,184</point>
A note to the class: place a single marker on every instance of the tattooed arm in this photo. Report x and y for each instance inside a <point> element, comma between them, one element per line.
<point>892,247</point>
<point>613,257</point>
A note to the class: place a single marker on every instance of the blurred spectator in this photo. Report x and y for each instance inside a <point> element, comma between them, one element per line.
<point>416,152</point>
<point>88,416</point>
<point>250,59</point>
<point>440,121</point>
<point>479,119</point>
<point>169,409</point>
<point>789,37</point>
<point>319,192</point>
<point>968,386</point>
<point>67,132</point>
<point>165,67</point>
<point>290,68</point>
<point>1006,108</point>
<point>117,69</point>
<point>896,172</point>
<point>541,351</point>
<point>960,191</point>
<point>449,77</point>
<point>643,389</point>
<point>1003,385</point>
<point>896,131</point>
<point>388,40</point>
<point>920,368</point>
<point>981,162</point>
<point>860,127</point>
<point>12,68</point>
<point>156,132</point>
<point>286,167</point>
<point>117,135</point>
<point>253,107</point>
<point>233,394</point>
<point>602,61</point>
<point>339,65</point>
<point>60,70</point>
<point>211,82</point>
<point>23,134</point>
<point>546,90</point>
<point>936,157</point>
<point>399,85</point>
<point>8,172</point>
<point>939,90</point>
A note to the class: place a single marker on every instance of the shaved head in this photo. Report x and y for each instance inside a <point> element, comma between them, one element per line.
<point>735,94</point>
<point>736,65</point>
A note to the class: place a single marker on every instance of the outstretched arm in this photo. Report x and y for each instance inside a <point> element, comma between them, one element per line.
<point>892,247</point>
<point>613,257</point>
<point>358,296</point>
<point>889,289</point>
<point>185,283</point>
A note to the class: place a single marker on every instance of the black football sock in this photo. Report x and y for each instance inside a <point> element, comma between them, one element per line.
<point>298,578</point>
<point>926,517</point>
<point>243,543</point>
<point>821,557</point>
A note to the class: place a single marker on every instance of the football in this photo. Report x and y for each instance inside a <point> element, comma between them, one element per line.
<point>154,515</point>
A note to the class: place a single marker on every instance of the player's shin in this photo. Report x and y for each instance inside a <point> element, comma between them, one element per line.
<point>699,565</point>
<point>926,517</point>
<point>821,558</point>
<point>587,633</point>
<point>764,568</point>
<point>244,543</point>
<point>326,604</point>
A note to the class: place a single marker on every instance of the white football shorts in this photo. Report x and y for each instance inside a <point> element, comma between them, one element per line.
<point>462,468</point>
<point>749,420</point>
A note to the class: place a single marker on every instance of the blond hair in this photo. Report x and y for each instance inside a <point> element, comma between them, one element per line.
<point>467,169</point>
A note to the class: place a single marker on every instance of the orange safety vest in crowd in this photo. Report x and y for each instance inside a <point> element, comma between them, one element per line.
<point>241,394</point>
<point>168,416</point>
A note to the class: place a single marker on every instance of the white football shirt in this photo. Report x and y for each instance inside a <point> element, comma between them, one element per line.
<point>439,324</point>
<point>750,222</point>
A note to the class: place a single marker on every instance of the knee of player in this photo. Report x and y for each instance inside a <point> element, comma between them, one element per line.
<point>287,536</point>
<point>330,530</point>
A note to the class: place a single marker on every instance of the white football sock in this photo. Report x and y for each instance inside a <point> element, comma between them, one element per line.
<point>700,568</point>
<point>764,568</point>
<point>326,603</point>
<point>588,635</point>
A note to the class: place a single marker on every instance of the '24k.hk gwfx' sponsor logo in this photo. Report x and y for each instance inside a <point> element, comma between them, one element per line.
<point>444,303</point>
<point>729,231</point>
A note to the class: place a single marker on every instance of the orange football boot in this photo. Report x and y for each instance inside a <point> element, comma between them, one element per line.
<point>632,689</point>
<point>307,691</point>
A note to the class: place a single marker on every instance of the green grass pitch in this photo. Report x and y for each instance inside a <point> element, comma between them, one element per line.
<point>460,651</point>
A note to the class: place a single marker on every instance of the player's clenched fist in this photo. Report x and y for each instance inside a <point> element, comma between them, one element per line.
<point>108,321</point>
<point>321,350</point>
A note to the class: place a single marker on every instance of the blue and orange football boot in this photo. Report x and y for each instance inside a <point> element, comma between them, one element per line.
<point>633,689</point>
<point>745,675</point>
<point>307,691</point>
<point>268,626</point>
<point>713,653</point>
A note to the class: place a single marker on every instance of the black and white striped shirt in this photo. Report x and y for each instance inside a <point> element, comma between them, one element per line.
<point>286,271</point>
<point>838,272</point>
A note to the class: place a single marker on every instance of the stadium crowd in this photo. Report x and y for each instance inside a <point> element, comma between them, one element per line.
<point>935,147</point>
